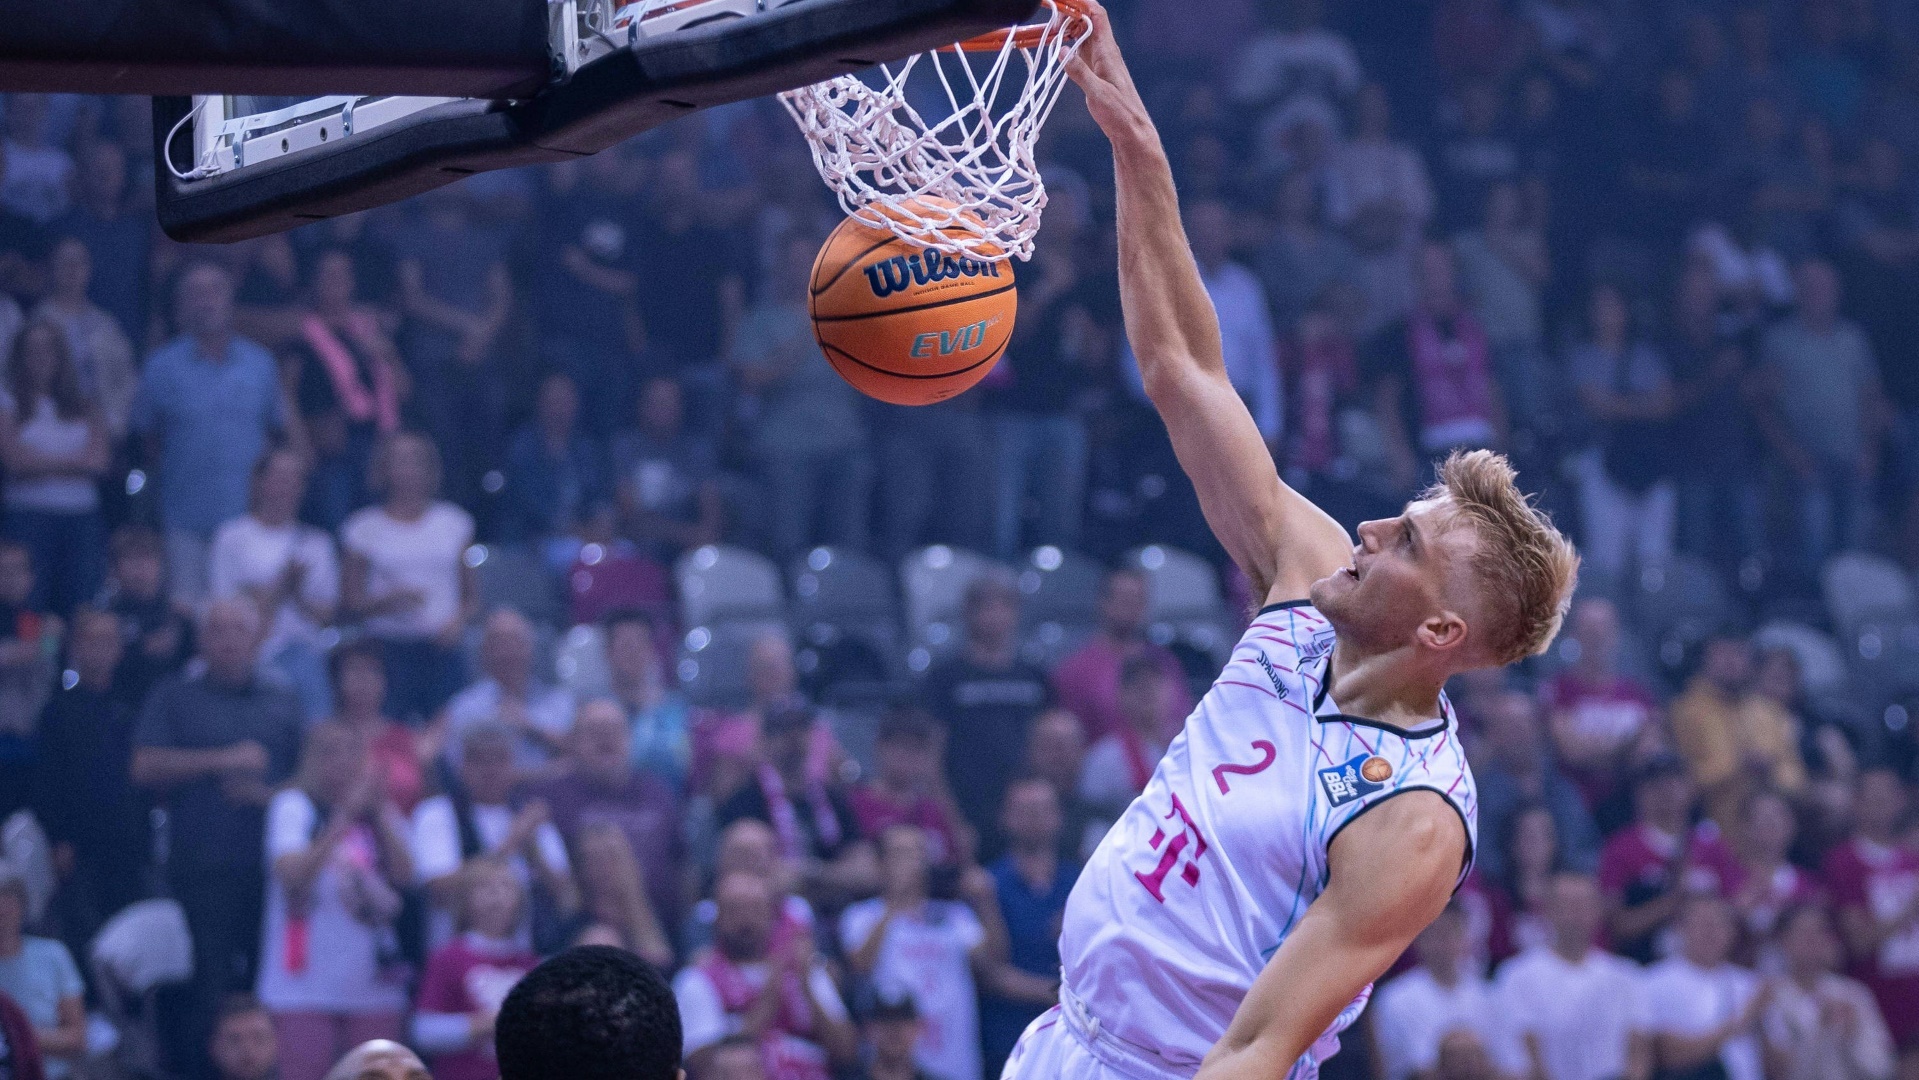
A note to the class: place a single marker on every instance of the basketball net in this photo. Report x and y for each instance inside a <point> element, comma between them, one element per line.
<point>966,183</point>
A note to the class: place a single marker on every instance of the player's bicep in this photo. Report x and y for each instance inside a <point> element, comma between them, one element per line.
<point>1282,541</point>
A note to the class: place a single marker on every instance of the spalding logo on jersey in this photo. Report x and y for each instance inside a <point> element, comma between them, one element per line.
<point>1358,778</point>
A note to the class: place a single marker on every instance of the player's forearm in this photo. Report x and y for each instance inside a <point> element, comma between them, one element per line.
<point>1169,317</point>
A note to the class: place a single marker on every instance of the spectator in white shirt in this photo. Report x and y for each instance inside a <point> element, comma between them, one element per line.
<point>511,694</point>
<point>1414,1013</point>
<point>1296,56</point>
<point>1579,1011</point>
<point>1820,1025</point>
<point>1703,1009</point>
<point>289,571</point>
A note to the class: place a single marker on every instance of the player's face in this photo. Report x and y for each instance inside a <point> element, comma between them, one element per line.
<point>1398,579</point>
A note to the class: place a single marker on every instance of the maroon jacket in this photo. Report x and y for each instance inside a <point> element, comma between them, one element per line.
<point>19,1048</point>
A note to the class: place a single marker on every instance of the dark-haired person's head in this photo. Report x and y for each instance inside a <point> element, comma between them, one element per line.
<point>243,1045</point>
<point>590,1013</point>
<point>893,1027</point>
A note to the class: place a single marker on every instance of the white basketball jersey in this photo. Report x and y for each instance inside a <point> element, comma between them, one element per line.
<point>1209,870</point>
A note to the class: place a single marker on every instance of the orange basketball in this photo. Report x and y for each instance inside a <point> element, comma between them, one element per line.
<point>905,324</point>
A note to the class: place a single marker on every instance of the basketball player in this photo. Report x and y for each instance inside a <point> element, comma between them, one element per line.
<point>593,1012</point>
<point>1316,812</point>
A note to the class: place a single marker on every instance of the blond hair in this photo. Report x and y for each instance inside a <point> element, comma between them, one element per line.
<point>1526,567</point>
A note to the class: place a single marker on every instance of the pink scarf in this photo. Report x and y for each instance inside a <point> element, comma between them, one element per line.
<point>786,822</point>
<point>1453,378</point>
<point>381,403</point>
<point>784,1050</point>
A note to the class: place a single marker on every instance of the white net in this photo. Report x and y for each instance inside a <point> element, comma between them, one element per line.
<point>964,181</point>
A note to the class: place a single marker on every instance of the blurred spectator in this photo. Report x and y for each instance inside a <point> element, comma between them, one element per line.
<point>1118,766</point>
<point>815,828</point>
<point>751,847</point>
<point>987,697</point>
<point>405,576</point>
<point>159,637</point>
<point>1515,772</point>
<point>96,342</point>
<point>1533,860</point>
<point>1703,1009</point>
<point>1649,868</point>
<point>95,819</point>
<point>1055,750</point>
<point>737,1057</point>
<point>1473,38</point>
<point>893,1029</point>
<point>1770,885</point>
<point>1721,499</point>
<point>39,975</point>
<point>1820,1025</point>
<point>1325,457</point>
<point>691,295</point>
<point>600,785</point>
<point>722,991</point>
<point>1732,736</point>
<point>1472,157</point>
<point>1418,1009</point>
<point>358,677</point>
<point>1579,1011</point>
<point>29,645</point>
<point>1434,388</point>
<point>1302,258</point>
<point>1874,880</point>
<point>338,855</point>
<point>1087,682</point>
<point>349,385</point>
<point>509,692</point>
<point>289,571</point>
<point>584,295</point>
<point>554,476</point>
<point>614,907</point>
<point>808,438</point>
<point>244,1046</point>
<point>1246,326</point>
<point>1031,883</point>
<point>1830,78</point>
<point>117,232</point>
<point>457,296</point>
<point>55,446</point>
<point>727,746</point>
<point>910,944</point>
<point>1295,55</point>
<point>658,715</point>
<point>1600,714</point>
<point>208,402</point>
<point>1669,165</point>
<point>935,469</point>
<point>1504,267</point>
<point>907,788</point>
<point>1378,191</point>
<point>211,744</point>
<point>1628,504</point>
<point>1824,388</point>
<point>468,978</point>
<point>379,1059</point>
<point>39,173</point>
<point>665,475</point>
<point>481,816</point>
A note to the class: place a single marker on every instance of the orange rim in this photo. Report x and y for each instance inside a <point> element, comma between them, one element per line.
<point>1030,35</point>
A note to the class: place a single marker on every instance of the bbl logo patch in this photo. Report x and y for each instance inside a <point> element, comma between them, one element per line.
<point>1316,647</point>
<point>1358,778</point>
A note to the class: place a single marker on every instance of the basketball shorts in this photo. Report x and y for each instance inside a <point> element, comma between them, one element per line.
<point>1066,1043</point>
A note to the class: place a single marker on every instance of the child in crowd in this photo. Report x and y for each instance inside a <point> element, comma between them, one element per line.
<point>468,977</point>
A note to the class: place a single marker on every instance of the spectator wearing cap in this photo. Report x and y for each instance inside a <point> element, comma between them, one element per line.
<point>1598,711</point>
<point>813,824</point>
<point>1648,868</point>
<point>1579,1011</point>
<point>511,694</point>
<point>482,816</point>
<point>1087,682</point>
<point>987,697</point>
<point>1818,1024</point>
<point>39,975</point>
<point>1871,877</point>
<point>1444,993</point>
<point>893,1028</point>
<point>1119,765</point>
<point>1733,737</point>
<point>1031,883</point>
<point>907,788</point>
<point>1704,1009</point>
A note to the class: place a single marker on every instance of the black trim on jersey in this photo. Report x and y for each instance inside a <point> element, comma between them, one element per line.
<point>1443,797</point>
<point>1325,688</point>
<point>1283,605</point>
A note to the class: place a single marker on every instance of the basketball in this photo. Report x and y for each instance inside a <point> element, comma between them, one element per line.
<point>906,324</point>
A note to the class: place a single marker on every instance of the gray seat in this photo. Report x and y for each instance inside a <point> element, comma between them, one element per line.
<point>721,584</point>
<point>1058,586</point>
<point>1858,586</point>
<point>1822,664</point>
<point>1883,656</point>
<point>508,577</point>
<point>837,586</point>
<point>712,661</point>
<point>1184,587</point>
<point>934,581</point>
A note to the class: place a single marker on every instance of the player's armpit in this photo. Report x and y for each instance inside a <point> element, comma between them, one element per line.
<point>1276,535</point>
<point>1392,871</point>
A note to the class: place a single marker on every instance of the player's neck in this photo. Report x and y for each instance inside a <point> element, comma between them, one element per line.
<point>1393,688</point>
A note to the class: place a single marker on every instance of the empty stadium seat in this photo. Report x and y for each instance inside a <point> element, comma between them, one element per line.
<point>727,584</point>
<point>1858,586</point>
<point>712,660</point>
<point>1822,665</point>
<point>508,577</point>
<point>934,580</point>
<point>1059,586</point>
<point>1185,587</point>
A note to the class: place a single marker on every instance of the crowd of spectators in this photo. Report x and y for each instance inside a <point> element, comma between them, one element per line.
<point>1663,254</point>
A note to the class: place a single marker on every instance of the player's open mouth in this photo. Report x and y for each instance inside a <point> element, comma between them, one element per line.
<point>1352,572</point>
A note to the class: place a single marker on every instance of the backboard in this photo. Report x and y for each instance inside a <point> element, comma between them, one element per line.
<point>236,166</point>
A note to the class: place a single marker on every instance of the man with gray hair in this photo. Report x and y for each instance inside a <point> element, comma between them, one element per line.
<point>211,744</point>
<point>379,1059</point>
<point>511,693</point>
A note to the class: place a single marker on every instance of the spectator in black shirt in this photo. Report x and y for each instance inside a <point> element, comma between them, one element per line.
<point>159,639</point>
<point>212,744</point>
<point>691,295</point>
<point>24,245</point>
<point>817,835</point>
<point>94,817</point>
<point>987,697</point>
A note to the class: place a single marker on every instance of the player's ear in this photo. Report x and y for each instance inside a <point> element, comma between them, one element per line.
<point>1443,630</point>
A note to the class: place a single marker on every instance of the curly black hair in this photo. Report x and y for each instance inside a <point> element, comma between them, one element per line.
<point>591,1013</point>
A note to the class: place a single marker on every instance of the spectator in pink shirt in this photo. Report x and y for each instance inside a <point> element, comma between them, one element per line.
<point>907,787</point>
<point>1087,682</point>
<point>1648,868</point>
<point>1598,712</point>
<point>467,978</point>
<point>1769,884</point>
<point>1874,881</point>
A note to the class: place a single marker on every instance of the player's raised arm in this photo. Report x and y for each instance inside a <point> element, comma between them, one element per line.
<point>1391,873</point>
<point>1283,542</point>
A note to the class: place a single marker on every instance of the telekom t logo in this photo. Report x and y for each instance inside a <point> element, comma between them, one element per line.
<point>1188,835</point>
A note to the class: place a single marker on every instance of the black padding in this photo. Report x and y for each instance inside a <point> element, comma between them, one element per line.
<point>452,48</point>
<point>610,100</point>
